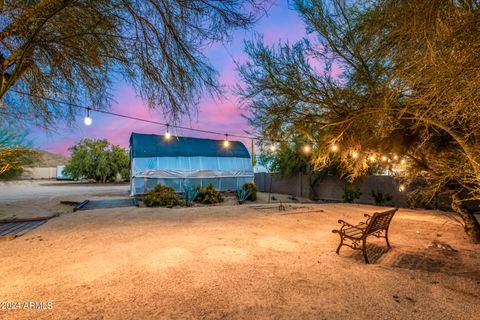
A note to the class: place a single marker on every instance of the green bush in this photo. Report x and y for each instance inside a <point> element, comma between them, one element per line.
<point>251,188</point>
<point>208,195</point>
<point>160,196</point>
<point>350,194</point>
<point>380,197</point>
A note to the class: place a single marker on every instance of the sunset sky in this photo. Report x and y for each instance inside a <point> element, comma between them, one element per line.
<point>281,24</point>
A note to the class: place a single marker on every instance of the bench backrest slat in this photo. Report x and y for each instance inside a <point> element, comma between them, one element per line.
<point>380,221</point>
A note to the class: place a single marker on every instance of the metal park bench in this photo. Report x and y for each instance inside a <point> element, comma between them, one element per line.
<point>376,225</point>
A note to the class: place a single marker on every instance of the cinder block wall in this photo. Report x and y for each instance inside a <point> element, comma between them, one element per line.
<point>297,185</point>
<point>330,188</point>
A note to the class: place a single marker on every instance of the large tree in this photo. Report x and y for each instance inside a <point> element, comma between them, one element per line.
<point>382,80</point>
<point>73,49</point>
<point>97,160</point>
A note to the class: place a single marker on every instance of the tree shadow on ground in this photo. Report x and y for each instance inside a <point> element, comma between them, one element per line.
<point>428,260</point>
<point>435,260</point>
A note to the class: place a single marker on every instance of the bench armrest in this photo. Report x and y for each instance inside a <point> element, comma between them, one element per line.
<point>366,215</point>
<point>346,224</point>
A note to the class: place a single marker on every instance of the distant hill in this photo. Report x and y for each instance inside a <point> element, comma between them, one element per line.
<point>49,159</point>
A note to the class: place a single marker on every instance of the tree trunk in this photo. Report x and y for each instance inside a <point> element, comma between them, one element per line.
<point>472,226</point>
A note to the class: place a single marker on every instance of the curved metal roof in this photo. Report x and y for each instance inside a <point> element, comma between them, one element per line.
<point>152,145</point>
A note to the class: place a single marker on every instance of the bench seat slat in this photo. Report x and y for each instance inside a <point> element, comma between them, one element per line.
<point>353,232</point>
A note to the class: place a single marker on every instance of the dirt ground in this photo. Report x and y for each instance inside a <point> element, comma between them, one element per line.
<point>41,198</point>
<point>242,262</point>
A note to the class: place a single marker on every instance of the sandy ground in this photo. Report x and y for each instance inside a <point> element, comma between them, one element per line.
<point>41,198</point>
<point>241,262</point>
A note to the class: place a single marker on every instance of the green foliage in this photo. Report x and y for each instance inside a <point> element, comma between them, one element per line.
<point>97,160</point>
<point>208,195</point>
<point>242,195</point>
<point>251,188</point>
<point>14,160</point>
<point>290,159</point>
<point>11,136</point>
<point>189,194</point>
<point>380,197</point>
<point>15,152</point>
<point>350,194</point>
<point>378,79</point>
<point>161,196</point>
<point>266,159</point>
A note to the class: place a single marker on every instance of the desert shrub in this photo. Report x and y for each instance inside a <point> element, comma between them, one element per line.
<point>242,195</point>
<point>380,197</point>
<point>208,195</point>
<point>350,194</point>
<point>252,190</point>
<point>160,196</point>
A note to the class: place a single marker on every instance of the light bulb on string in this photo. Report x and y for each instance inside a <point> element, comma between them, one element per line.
<point>354,154</point>
<point>372,158</point>
<point>384,158</point>
<point>226,143</point>
<point>403,161</point>
<point>395,157</point>
<point>87,120</point>
<point>401,188</point>
<point>307,148</point>
<point>167,133</point>
<point>334,148</point>
<point>273,148</point>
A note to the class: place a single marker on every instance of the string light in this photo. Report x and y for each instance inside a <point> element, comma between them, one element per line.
<point>273,147</point>
<point>131,117</point>
<point>87,120</point>
<point>167,133</point>
<point>307,148</point>
<point>401,188</point>
<point>226,143</point>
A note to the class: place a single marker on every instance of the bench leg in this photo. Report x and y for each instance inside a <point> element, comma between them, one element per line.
<point>340,245</point>
<point>386,238</point>
<point>364,250</point>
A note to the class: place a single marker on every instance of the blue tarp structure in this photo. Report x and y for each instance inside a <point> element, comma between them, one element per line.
<point>182,161</point>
